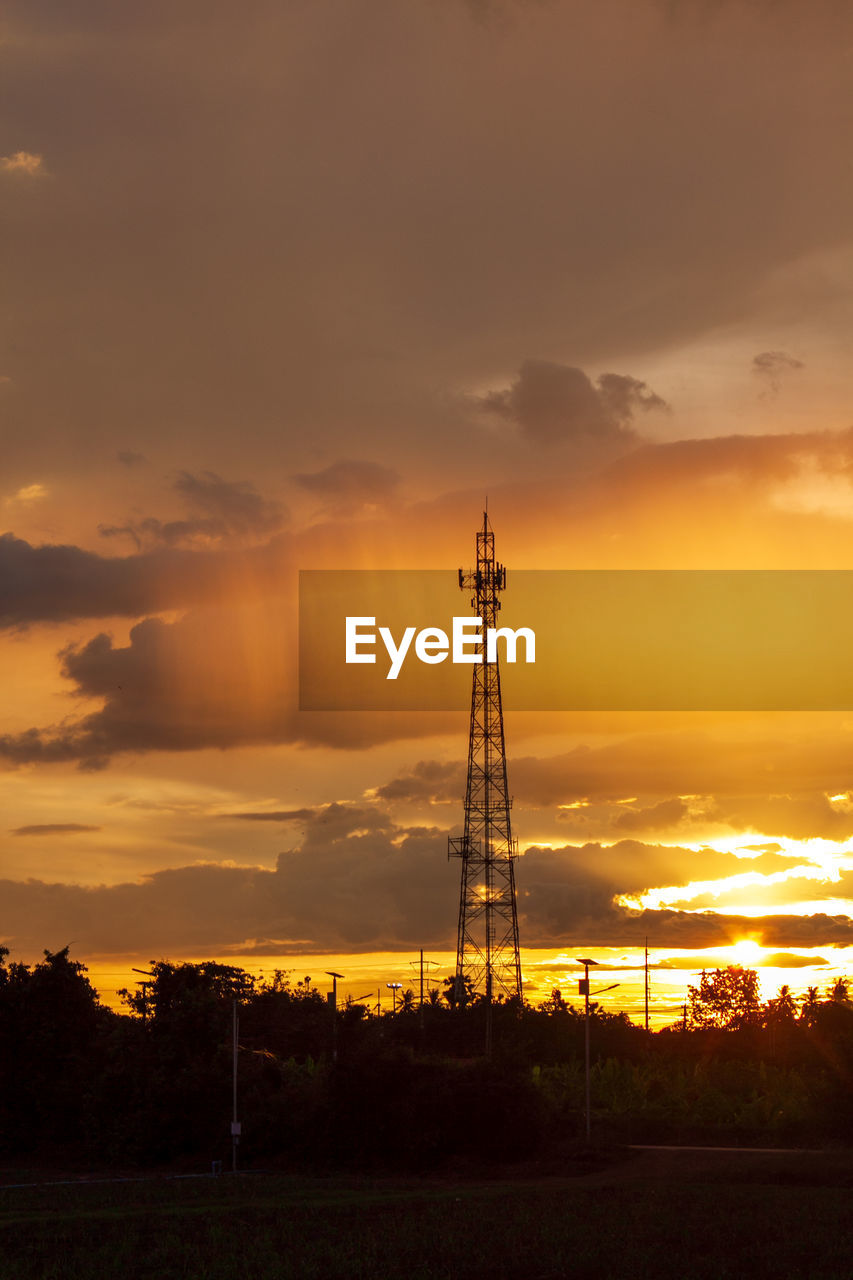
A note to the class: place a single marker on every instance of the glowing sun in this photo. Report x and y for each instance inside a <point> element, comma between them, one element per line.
<point>747,952</point>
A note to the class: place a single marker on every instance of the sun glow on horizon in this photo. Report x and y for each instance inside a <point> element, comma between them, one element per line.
<point>748,953</point>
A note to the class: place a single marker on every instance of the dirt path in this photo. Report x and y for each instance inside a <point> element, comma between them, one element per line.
<point>729,1165</point>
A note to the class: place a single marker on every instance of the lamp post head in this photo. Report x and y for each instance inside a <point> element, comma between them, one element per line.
<point>585,962</point>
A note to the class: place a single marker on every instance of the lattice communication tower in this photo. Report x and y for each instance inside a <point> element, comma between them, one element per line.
<point>487,950</point>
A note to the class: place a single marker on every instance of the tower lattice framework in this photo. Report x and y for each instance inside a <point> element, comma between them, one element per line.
<point>487,950</point>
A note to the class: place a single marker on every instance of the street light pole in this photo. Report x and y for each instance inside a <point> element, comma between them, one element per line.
<point>334,1003</point>
<point>235,1123</point>
<point>584,991</point>
<point>395,987</point>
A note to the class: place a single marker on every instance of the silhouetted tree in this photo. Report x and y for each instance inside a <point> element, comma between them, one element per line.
<point>459,994</point>
<point>840,990</point>
<point>49,1019</point>
<point>782,1009</point>
<point>809,1006</point>
<point>555,1003</point>
<point>726,998</point>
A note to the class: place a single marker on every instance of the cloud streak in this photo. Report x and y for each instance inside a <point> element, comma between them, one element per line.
<point>220,509</point>
<point>53,829</point>
<point>347,486</point>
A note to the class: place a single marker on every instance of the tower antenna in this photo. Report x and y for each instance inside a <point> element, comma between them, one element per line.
<point>487,949</point>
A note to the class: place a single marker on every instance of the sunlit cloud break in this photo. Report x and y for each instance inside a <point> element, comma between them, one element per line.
<point>825,866</point>
<point>27,494</point>
<point>22,162</point>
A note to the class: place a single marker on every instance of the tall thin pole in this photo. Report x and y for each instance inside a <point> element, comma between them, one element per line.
<point>422,992</point>
<point>586,1049</point>
<point>334,1003</point>
<point>334,1018</point>
<point>584,986</point>
<point>235,1124</point>
<point>647,984</point>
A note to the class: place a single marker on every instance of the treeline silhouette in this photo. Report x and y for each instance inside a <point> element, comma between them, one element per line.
<point>408,1090</point>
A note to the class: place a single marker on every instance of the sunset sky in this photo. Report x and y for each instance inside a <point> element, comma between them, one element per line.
<point>295,285</point>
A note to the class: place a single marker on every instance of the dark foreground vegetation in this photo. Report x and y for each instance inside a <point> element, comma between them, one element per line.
<point>408,1092</point>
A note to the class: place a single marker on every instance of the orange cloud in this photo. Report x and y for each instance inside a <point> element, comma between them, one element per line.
<point>22,162</point>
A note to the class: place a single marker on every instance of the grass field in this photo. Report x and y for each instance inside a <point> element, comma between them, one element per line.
<point>684,1215</point>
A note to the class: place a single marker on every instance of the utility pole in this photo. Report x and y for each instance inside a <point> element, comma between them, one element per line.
<point>236,1127</point>
<point>425,966</point>
<point>487,947</point>
<point>647,985</point>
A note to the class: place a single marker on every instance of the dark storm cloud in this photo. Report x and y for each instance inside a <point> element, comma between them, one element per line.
<point>128,458</point>
<point>350,484</point>
<point>59,583</point>
<point>347,886</point>
<point>357,883</point>
<point>219,509</point>
<point>172,687</point>
<point>215,678</point>
<point>553,403</point>
<point>52,829</point>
